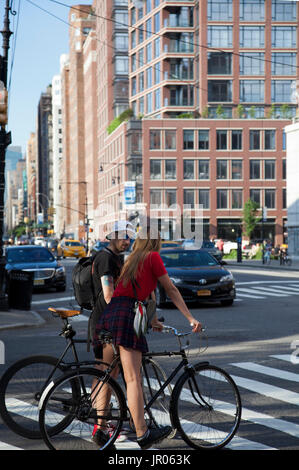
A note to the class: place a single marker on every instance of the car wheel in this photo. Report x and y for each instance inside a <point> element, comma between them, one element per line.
<point>227,303</point>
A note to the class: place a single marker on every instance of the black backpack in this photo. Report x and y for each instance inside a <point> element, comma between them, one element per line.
<point>83,282</point>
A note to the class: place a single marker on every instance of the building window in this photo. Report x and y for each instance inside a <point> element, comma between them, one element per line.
<point>170,197</point>
<point>203,139</point>
<point>270,139</point>
<point>284,37</point>
<point>219,90</point>
<point>284,198</point>
<point>252,63</point>
<point>219,63</point>
<point>155,169</point>
<point>149,52</point>
<point>255,169</point>
<point>141,81</point>
<point>221,170</point>
<point>204,198</point>
<point>170,140</point>
<point>156,196</point>
<point>269,169</point>
<point>236,140</point>
<point>255,196</point>
<point>237,198</point>
<point>155,139</point>
<point>157,47</point>
<point>133,86</point>
<point>158,99</point>
<point>170,169</point>
<point>237,169</point>
<point>189,197</point>
<point>149,102</point>
<point>148,27</point>
<point>121,41</point>
<point>254,139</point>
<point>188,169</point>
<point>220,10</point>
<point>222,202</point>
<point>220,36</point>
<point>283,11</point>
<point>281,91</point>
<point>121,65</point>
<point>270,198</point>
<point>221,139</point>
<point>283,63</point>
<point>149,77</point>
<point>252,91</point>
<point>188,137</point>
<point>252,36</point>
<point>284,169</point>
<point>203,169</point>
<point>157,22</point>
<point>250,10</point>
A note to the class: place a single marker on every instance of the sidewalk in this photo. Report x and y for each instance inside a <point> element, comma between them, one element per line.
<point>25,318</point>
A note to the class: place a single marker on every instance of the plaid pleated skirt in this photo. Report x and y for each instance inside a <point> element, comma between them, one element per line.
<point>118,318</point>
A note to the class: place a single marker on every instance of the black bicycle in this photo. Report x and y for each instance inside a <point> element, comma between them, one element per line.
<point>23,383</point>
<point>204,405</point>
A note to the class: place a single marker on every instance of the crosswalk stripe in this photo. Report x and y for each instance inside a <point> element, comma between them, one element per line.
<point>283,357</point>
<point>290,288</point>
<point>281,374</point>
<point>4,446</point>
<point>269,291</point>
<point>250,291</point>
<point>271,391</point>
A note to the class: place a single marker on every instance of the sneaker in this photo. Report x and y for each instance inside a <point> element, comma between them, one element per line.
<point>100,438</point>
<point>123,435</point>
<point>153,436</point>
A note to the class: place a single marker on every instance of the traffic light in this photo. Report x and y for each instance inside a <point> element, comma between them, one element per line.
<point>3,106</point>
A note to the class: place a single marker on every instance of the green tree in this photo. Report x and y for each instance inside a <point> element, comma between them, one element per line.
<point>250,217</point>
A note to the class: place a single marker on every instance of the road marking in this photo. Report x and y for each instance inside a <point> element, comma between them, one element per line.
<point>52,301</point>
<point>251,296</point>
<point>267,291</point>
<point>4,446</point>
<point>283,357</point>
<point>281,374</point>
<point>270,391</point>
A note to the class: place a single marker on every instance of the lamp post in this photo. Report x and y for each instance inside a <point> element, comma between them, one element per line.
<point>5,140</point>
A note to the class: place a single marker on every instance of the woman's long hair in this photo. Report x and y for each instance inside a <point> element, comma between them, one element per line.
<point>134,263</point>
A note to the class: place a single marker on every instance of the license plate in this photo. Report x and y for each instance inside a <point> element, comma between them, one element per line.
<point>39,282</point>
<point>203,292</point>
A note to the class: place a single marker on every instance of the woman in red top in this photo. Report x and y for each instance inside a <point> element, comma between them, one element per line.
<point>145,268</point>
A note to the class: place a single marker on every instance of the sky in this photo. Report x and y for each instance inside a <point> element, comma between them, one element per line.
<point>38,40</point>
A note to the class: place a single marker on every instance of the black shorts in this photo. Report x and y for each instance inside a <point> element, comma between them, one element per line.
<point>98,351</point>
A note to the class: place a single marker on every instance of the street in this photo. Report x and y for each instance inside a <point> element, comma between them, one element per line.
<point>254,341</point>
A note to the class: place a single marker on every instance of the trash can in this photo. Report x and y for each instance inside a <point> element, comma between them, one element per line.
<point>20,287</point>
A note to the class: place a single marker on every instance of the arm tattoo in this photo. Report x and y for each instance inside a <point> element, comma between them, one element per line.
<point>107,281</point>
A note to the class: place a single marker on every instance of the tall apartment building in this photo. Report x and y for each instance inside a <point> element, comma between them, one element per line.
<point>229,67</point>
<point>73,182</point>
<point>31,168</point>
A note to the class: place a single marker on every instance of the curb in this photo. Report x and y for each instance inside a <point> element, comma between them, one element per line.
<point>261,266</point>
<point>38,320</point>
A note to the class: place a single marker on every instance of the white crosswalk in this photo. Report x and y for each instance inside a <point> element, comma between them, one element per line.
<point>255,378</point>
<point>265,289</point>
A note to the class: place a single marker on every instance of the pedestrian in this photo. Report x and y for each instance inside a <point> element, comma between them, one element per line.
<point>105,272</point>
<point>144,268</point>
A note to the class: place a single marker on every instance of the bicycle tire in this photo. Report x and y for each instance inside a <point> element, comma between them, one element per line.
<point>209,419</point>
<point>80,411</point>
<point>153,378</point>
<point>20,390</point>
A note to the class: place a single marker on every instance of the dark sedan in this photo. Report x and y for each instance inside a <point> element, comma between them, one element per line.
<point>48,272</point>
<point>198,276</point>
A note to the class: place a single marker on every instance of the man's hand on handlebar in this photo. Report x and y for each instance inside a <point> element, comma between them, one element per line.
<point>196,326</point>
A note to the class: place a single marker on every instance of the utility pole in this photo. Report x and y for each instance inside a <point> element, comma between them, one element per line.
<point>5,141</point>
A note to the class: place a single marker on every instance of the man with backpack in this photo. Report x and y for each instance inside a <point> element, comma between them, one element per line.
<point>106,270</point>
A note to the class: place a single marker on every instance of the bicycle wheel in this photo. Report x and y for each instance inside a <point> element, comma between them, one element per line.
<point>20,389</point>
<point>92,401</point>
<point>153,378</point>
<point>206,407</point>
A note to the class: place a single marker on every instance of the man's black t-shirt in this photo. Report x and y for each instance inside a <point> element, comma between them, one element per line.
<point>106,263</point>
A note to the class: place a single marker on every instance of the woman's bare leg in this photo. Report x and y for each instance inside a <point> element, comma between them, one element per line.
<point>131,363</point>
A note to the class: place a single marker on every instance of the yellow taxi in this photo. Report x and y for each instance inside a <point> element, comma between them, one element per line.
<point>71,248</point>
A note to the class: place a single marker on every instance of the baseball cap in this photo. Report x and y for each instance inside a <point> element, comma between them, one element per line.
<point>121,229</point>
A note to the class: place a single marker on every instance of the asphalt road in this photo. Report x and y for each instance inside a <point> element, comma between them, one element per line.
<point>254,341</point>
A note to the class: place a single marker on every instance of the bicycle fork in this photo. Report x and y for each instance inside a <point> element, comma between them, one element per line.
<point>193,385</point>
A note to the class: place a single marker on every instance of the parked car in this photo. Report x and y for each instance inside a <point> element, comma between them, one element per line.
<point>48,272</point>
<point>71,248</point>
<point>198,276</point>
